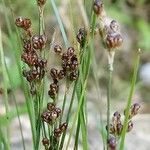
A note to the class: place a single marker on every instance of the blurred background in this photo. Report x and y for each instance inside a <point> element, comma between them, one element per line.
<point>134,19</point>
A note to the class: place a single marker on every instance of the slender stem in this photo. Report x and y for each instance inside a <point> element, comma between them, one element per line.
<point>133,81</point>
<point>108,102</point>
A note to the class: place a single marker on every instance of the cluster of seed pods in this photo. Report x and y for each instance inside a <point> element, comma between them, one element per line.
<point>69,64</point>
<point>50,116</point>
<point>116,126</point>
<point>32,47</point>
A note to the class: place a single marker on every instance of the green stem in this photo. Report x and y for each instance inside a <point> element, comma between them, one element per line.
<point>133,82</point>
<point>108,102</point>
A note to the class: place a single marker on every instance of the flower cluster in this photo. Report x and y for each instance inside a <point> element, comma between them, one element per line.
<point>116,126</point>
<point>32,46</point>
<point>69,64</point>
<point>51,114</point>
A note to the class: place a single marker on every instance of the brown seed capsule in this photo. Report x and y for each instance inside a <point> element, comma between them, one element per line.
<point>130,126</point>
<point>58,110</point>
<point>45,141</point>
<point>41,2</point>
<point>113,40</point>
<point>29,58</point>
<point>111,129</point>
<point>24,23</point>
<point>65,57</point>
<point>74,63</point>
<point>50,106</point>
<point>81,36</point>
<point>27,46</point>
<point>57,133</point>
<point>114,26</point>
<point>73,76</point>
<point>41,63</point>
<point>54,87</point>
<point>53,115</point>
<point>116,116</point>
<point>57,49</point>
<point>39,42</point>
<point>61,74</point>
<point>54,73</point>
<point>46,117</point>
<point>119,128</point>
<point>112,143</point>
<point>135,109</point>
<point>63,127</point>
<point>98,7</point>
<point>70,51</point>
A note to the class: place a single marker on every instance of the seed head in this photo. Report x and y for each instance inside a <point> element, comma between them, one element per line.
<point>45,141</point>
<point>130,126</point>
<point>112,143</point>
<point>58,49</point>
<point>63,127</point>
<point>98,7</point>
<point>24,23</point>
<point>57,133</point>
<point>81,36</point>
<point>50,106</point>
<point>39,42</point>
<point>135,109</point>
<point>73,76</point>
<point>113,40</point>
<point>114,26</point>
<point>41,2</point>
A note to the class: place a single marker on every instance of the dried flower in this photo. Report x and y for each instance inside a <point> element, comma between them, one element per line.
<point>98,7</point>
<point>51,106</point>
<point>58,49</point>
<point>39,41</point>
<point>112,143</point>
<point>73,76</point>
<point>45,141</point>
<point>113,41</point>
<point>81,36</point>
<point>130,126</point>
<point>24,23</point>
<point>41,2</point>
<point>135,109</point>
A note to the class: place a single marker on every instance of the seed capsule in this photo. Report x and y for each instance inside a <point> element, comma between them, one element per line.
<point>45,141</point>
<point>113,40</point>
<point>63,127</point>
<point>112,143</point>
<point>114,26</point>
<point>24,23</point>
<point>130,126</point>
<point>39,41</point>
<point>135,109</point>
<point>50,106</point>
<point>27,46</point>
<point>58,110</point>
<point>29,58</point>
<point>41,2</point>
<point>61,74</point>
<point>54,73</point>
<point>73,76</point>
<point>57,49</point>
<point>98,7</point>
<point>81,36</point>
<point>70,51</point>
<point>46,117</point>
<point>57,133</point>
